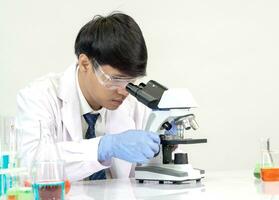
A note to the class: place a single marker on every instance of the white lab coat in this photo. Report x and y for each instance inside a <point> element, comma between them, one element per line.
<point>55,97</point>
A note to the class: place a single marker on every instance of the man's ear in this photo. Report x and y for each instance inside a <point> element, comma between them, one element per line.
<point>84,62</point>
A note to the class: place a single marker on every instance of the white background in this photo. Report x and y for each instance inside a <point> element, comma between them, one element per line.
<point>224,52</point>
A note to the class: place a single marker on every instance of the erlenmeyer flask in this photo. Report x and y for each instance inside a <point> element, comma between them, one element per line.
<point>48,177</point>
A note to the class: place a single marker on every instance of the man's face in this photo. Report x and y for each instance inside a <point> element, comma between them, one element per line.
<point>94,90</point>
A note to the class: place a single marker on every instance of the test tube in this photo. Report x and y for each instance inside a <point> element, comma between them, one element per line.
<point>4,157</point>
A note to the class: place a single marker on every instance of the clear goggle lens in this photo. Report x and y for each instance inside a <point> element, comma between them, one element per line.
<point>111,82</point>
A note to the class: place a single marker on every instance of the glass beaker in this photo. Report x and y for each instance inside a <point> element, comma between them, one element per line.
<point>49,180</point>
<point>264,146</point>
<point>17,190</point>
<point>270,166</point>
<point>48,177</point>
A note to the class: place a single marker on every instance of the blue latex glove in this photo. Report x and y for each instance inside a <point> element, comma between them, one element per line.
<point>134,146</point>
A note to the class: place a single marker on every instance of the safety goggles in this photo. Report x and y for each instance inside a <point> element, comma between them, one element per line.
<point>109,81</point>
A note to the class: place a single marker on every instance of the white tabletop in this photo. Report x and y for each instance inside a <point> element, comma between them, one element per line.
<point>223,185</point>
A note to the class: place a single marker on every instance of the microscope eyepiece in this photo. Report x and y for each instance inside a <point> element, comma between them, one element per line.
<point>132,89</point>
<point>149,94</point>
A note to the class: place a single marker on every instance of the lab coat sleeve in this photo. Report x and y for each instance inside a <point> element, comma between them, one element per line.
<point>81,157</point>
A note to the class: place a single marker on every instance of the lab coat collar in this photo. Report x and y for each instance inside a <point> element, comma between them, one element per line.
<point>67,92</point>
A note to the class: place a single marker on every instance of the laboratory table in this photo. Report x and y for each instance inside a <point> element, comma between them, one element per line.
<point>225,185</point>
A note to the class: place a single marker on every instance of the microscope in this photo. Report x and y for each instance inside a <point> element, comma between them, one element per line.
<point>171,117</point>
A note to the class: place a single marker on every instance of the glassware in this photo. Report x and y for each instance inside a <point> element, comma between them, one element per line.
<point>2,184</point>
<point>12,176</point>
<point>270,166</point>
<point>264,145</point>
<point>13,146</point>
<point>48,177</point>
<point>67,186</point>
<point>7,138</point>
<point>7,151</point>
<point>269,162</point>
<point>17,191</point>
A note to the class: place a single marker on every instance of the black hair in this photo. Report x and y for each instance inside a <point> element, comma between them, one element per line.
<point>114,40</point>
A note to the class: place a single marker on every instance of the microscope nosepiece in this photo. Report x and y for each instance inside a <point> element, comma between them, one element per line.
<point>194,124</point>
<point>186,124</point>
<point>190,122</point>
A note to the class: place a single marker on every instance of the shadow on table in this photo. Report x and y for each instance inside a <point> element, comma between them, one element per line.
<point>130,189</point>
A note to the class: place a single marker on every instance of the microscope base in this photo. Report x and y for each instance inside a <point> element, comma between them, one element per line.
<point>175,173</point>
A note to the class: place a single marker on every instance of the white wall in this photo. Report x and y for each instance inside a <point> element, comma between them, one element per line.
<point>225,52</point>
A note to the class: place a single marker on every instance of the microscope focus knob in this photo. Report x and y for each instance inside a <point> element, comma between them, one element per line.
<point>180,158</point>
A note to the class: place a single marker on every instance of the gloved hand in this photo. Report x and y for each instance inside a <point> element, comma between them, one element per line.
<point>134,146</point>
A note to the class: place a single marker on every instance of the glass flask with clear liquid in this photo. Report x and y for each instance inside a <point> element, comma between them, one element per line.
<point>47,172</point>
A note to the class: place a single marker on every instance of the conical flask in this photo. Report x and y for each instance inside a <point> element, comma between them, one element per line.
<point>48,176</point>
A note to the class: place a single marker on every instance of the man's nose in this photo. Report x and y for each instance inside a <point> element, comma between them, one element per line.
<point>122,91</point>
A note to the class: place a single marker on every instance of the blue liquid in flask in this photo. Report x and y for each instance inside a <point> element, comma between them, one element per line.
<point>49,190</point>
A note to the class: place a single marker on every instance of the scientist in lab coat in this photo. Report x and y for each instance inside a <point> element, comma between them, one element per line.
<point>98,126</point>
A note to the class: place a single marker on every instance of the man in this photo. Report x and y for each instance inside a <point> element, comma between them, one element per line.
<point>98,126</point>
